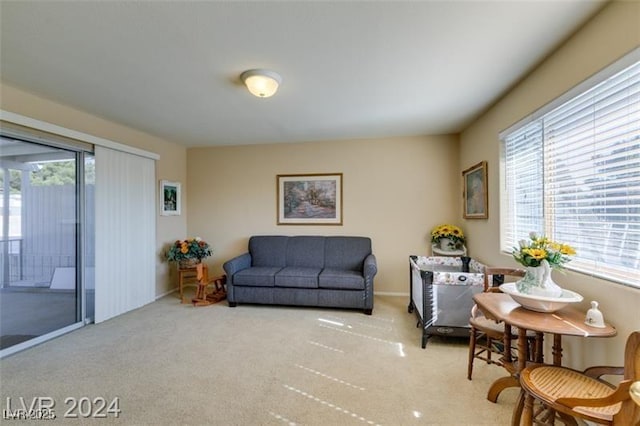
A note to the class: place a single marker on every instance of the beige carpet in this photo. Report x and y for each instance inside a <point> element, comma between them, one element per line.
<point>256,365</point>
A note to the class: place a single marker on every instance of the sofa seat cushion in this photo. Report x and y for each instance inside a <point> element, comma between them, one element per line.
<point>293,276</point>
<point>339,279</point>
<point>256,276</point>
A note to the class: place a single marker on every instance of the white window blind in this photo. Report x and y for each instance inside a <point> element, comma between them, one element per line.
<point>573,174</point>
<point>523,171</point>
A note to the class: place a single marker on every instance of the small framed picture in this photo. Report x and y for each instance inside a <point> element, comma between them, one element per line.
<point>314,199</point>
<point>475,194</point>
<point>169,198</point>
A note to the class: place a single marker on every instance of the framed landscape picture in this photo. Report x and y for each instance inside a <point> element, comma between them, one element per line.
<point>169,198</point>
<point>475,195</point>
<point>314,199</point>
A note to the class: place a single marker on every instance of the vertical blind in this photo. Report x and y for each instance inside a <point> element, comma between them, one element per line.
<point>573,174</point>
<point>125,232</point>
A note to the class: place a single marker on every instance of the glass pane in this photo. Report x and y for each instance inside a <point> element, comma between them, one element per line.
<point>593,176</point>
<point>524,185</point>
<point>38,241</point>
<point>89,233</point>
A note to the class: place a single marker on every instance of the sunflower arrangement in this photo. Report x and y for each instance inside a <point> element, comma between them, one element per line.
<point>190,248</point>
<point>451,232</point>
<point>538,248</point>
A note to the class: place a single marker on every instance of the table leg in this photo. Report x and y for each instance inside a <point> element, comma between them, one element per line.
<point>512,381</point>
<point>507,343</point>
<point>183,276</point>
<point>523,350</point>
<point>523,356</point>
<point>539,347</point>
<point>557,349</point>
<point>181,285</point>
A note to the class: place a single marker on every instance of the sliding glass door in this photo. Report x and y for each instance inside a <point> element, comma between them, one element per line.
<point>46,250</point>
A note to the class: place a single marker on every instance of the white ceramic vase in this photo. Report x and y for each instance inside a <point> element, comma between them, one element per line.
<point>446,244</point>
<point>537,282</point>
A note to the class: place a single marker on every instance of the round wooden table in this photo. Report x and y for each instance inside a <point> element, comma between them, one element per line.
<point>568,321</point>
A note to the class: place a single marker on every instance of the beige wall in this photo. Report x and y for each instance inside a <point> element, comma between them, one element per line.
<point>171,166</point>
<point>611,34</point>
<point>394,191</point>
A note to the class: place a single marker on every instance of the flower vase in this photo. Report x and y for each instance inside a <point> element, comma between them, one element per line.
<point>446,244</point>
<point>188,263</point>
<point>537,282</point>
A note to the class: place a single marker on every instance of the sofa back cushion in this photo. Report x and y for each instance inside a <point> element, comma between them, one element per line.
<point>346,253</point>
<point>306,252</point>
<point>268,250</point>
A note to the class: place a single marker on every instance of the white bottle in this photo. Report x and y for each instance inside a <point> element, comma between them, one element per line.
<point>594,316</point>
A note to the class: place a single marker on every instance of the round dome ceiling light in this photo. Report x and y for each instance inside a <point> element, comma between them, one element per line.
<point>261,83</point>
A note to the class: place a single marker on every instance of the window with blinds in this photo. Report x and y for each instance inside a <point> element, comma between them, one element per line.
<point>572,173</point>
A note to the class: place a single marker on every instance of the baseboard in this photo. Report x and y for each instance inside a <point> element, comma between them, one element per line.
<point>375,293</point>
<point>390,293</point>
<point>166,293</point>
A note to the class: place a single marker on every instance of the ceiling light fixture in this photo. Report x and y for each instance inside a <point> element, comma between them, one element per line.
<point>261,83</point>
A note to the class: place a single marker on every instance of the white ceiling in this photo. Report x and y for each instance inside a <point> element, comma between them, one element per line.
<point>350,69</point>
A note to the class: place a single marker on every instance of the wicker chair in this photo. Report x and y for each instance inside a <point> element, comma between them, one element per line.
<point>486,341</point>
<point>583,394</point>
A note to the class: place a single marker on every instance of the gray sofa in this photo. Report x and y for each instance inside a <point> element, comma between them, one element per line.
<point>305,271</point>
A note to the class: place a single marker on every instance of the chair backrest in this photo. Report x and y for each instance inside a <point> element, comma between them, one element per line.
<point>630,411</point>
<point>632,357</point>
<point>490,272</point>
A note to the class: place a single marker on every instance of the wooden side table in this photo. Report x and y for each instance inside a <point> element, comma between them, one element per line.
<point>187,277</point>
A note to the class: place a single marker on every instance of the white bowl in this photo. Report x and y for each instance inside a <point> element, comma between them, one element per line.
<point>634,391</point>
<point>541,303</point>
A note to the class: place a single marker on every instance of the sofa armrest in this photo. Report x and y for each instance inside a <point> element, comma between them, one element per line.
<point>238,263</point>
<point>369,270</point>
<point>370,267</point>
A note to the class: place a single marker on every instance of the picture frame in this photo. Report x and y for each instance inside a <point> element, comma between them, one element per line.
<point>170,198</point>
<point>309,199</point>
<point>475,192</point>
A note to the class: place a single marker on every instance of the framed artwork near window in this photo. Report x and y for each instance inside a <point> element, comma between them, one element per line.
<point>313,199</point>
<point>169,198</point>
<point>475,193</point>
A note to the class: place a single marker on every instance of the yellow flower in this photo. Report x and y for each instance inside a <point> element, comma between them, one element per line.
<point>562,248</point>
<point>447,231</point>
<point>542,241</point>
<point>567,249</point>
<point>538,248</point>
<point>537,254</point>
